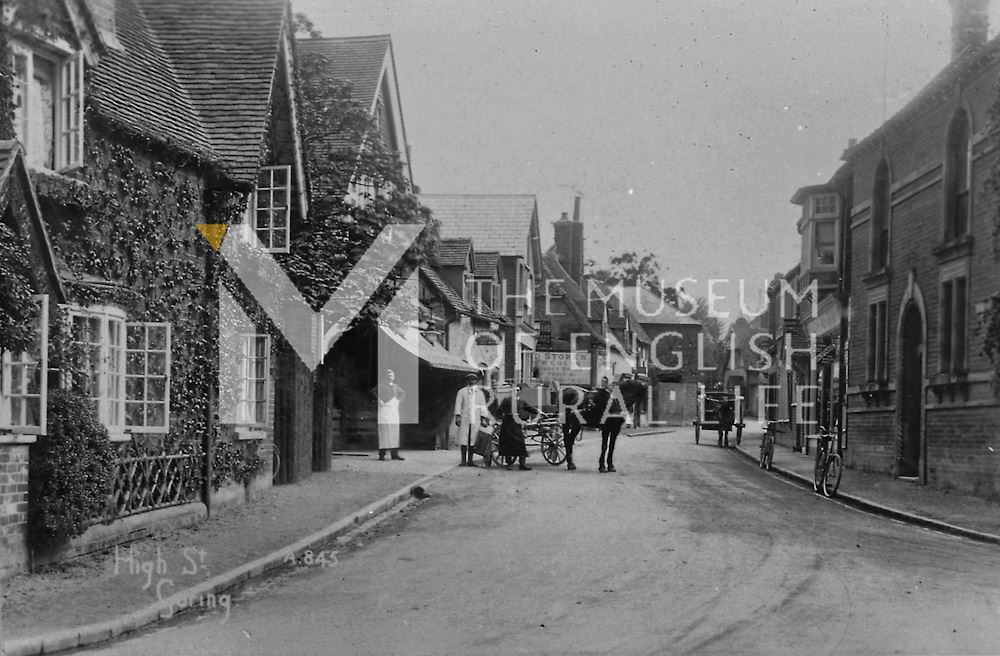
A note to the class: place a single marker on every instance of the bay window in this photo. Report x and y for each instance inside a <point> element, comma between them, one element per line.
<point>123,368</point>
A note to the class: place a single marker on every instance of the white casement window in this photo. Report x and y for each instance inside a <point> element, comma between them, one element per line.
<point>824,206</point>
<point>48,106</point>
<point>147,377</point>
<point>272,207</point>
<point>24,383</point>
<point>255,368</point>
<point>98,361</point>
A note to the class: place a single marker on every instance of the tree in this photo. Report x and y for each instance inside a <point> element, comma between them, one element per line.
<point>343,149</point>
<point>633,270</point>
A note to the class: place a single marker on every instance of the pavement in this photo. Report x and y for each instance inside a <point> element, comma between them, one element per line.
<point>298,525</point>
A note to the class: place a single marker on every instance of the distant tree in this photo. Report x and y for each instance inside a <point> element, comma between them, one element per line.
<point>631,269</point>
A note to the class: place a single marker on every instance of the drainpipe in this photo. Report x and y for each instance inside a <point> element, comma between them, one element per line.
<point>844,295</point>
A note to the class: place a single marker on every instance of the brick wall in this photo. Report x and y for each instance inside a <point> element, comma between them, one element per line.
<point>963,449</point>
<point>960,447</point>
<point>13,507</point>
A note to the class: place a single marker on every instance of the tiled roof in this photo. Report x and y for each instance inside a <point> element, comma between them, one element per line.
<point>486,263</point>
<point>484,310</point>
<point>556,281</point>
<point>476,309</point>
<point>137,85</point>
<point>225,54</point>
<point>358,60</point>
<point>499,223</point>
<point>36,235</point>
<point>453,252</point>
<point>617,312</point>
<point>447,291</point>
<point>649,308</point>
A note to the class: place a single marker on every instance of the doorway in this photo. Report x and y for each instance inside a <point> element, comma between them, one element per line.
<point>911,391</point>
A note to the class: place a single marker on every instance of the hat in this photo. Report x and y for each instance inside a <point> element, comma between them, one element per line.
<point>471,376</point>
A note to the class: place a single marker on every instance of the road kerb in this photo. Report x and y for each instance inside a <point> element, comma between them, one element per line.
<point>879,509</point>
<point>172,606</point>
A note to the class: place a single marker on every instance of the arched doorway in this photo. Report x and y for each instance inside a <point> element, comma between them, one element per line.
<point>911,390</point>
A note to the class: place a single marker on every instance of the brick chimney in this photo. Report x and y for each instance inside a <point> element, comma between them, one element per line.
<point>569,243</point>
<point>970,21</point>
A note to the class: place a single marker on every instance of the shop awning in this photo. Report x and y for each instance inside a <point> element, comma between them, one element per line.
<point>433,354</point>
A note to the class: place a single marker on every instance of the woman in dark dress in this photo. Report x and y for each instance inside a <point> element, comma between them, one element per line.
<point>511,433</point>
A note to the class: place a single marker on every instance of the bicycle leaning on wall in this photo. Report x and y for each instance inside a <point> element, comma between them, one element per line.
<point>771,428</point>
<point>829,465</point>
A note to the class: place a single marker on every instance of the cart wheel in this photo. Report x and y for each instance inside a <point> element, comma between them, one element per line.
<point>697,432</point>
<point>497,460</point>
<point>552,450</point>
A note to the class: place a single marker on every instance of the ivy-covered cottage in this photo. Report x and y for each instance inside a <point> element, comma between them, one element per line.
<point>139,121</point>
<point>361,181</point>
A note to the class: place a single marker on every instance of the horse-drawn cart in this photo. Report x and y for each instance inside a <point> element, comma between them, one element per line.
<point>709,405</point>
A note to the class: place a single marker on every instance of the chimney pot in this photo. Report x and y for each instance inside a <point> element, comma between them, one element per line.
<point>970,24</point>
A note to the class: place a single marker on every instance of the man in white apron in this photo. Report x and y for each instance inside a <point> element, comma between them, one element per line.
<point>470,407</point>
<point>389,395</point>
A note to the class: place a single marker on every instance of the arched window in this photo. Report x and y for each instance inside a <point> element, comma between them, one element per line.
<point>956,178</point>
<point>881,203</point>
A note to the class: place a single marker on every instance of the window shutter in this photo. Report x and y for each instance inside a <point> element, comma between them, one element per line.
<point>71,112</point>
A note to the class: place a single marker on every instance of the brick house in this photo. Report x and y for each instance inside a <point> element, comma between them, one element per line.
<point>922,265</point>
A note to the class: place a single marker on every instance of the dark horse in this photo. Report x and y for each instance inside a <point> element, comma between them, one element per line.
<point>580,410</point>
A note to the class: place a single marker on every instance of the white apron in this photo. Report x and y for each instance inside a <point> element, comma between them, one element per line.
<point>388,424</point>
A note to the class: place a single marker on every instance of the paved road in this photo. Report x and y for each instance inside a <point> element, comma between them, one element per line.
<point>688,549</point>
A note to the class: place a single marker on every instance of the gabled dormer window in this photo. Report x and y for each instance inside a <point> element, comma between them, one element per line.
<point>48,106</point>
<point>272,207</point>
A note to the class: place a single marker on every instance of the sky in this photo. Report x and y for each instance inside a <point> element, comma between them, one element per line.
<point>686,126</point>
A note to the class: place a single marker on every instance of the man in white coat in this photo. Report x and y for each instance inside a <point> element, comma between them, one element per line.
<point>470,407</point>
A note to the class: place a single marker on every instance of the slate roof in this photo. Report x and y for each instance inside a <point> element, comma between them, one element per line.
<point>225,53</point>
<point>967,60</point>
<point>487,263</point>
<point>454,252</point>
<point>358,60</point>
<point>137,86</point>
<point>500,222</point>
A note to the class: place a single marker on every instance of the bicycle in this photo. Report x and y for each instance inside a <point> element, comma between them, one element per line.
<point>767,442</point>
<point>829,466</point>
